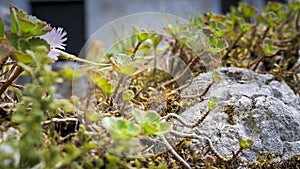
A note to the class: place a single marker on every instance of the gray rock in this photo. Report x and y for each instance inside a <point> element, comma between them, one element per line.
<point>251,105</point>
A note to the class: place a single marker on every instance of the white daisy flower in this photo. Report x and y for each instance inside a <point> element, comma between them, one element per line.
<point>56,39</point>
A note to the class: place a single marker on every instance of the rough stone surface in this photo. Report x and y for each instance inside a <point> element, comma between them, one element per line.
<point>252,106</point>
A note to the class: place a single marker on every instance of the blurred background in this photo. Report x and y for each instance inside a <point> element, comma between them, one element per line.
<point>81,18</point>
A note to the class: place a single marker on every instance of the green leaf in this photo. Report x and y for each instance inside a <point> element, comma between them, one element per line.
<point>1,28</point>
<point>138,115</point>
<point>120,128</point>
<point>128,69</point>
<point>274,7</point>
<point>245,27</point>
<point>36,42</point>
<point>170,30</point>
<point>268,47</point>
<point>245,144</point>
<point>247,10</point>
<point>295,5</point>
<point>69,74</point>
<point>163,129</point>
<point>152,116</point>
<point>124,64</point>
<point>26,25</point>
<point>13,39</point>
<point>212,103</point>
<point>216,76</point>
<point>23,57</point>
<point>156,40</point>
<point>143,34</point>
<point>197,22</point>
<point>211,42</point>
<point>150,122</point>
<point>127,95</point>
<point>146,117</point>
<point>23,45</point>
<point>104,83</point>
<point>219,28</point>
<point>92,116</point>
<point>271,19</point>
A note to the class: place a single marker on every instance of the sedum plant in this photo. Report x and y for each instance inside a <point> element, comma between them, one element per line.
<point>120,111</point>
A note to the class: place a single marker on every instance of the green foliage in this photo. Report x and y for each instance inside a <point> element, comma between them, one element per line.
<point>245,144</point>
<point>26,25</point>
<point>269,48</point>
<point>99,80</point>
<point>69,74</point>
<point>123,64</point>
<point>212,103</point>
<point>34,144</point>
<point>127,95</point>
<point>1,28</point>
<point>120,128</point>
<point>150,122</point>
<point>216,76</point>
<point>266,42</point>
<point>211,42</point>
<point>147,123</point>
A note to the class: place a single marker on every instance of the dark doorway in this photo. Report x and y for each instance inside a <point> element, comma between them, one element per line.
<point>227,4</point>
<point>66,14</point>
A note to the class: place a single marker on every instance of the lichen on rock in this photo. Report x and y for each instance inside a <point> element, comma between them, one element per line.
<point>265,110</point>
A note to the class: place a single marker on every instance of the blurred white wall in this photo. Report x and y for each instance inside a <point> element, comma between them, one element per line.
<point>101,12</point>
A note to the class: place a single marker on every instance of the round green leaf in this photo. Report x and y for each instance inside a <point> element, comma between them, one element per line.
<point>127,95</point>
<point>216,76</point>
<point>245,144</point>
<point>212,103</point>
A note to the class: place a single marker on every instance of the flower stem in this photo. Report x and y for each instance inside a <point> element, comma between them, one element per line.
<point>70,57</point>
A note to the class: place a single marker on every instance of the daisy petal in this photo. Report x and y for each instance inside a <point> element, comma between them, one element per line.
<point>56,39</point>
<point>53,54</point>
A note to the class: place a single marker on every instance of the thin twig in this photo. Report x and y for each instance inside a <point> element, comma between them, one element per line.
<point>11,80</point>
<point>135,49</point>
<point>183,122</point>
<point>116,90</point>
<point>177,156</point>
<point>13,85</point>
<point>182,73</point>
<point>206,90</point>
<point>201,138</point>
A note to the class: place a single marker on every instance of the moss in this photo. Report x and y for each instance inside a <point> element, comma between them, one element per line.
<point>292,163</point>
<point>229,110</point>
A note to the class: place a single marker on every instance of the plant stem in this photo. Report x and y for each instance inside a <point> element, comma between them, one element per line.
<point>12,79</point>
<point>183,72</point>
<point>206,90</point>
<point>70,57</point>
<point>135,49</point>
<point>171,149</point>
<point>181,120</point>
<point>155,65</point>
<point>266,32</point>
<point>297,20</point>
<point>236,154</point>
<point>225,57</point>
<point>115,93</point>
